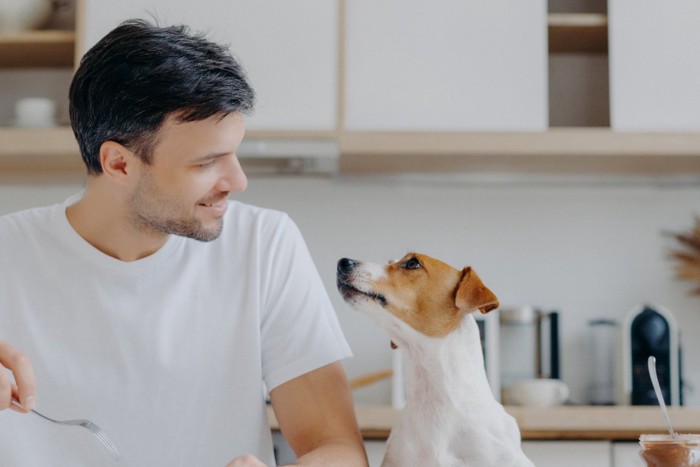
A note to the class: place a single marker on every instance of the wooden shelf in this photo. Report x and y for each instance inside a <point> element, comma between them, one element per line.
<point>37,49</point>
<point>35,150</point>
<point>30,151</point>
<point>575,150</point>
<point>578,33</point>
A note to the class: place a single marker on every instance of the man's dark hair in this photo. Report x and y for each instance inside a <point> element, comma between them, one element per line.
<point>140,74</point>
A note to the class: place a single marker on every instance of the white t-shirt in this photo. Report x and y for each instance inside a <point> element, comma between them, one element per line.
<point>167,354</point>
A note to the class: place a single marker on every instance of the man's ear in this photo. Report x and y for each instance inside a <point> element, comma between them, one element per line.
<point>472,294</point>
<point>117,161</point>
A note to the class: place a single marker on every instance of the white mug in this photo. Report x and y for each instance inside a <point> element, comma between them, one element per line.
<point>539,392</point>
<point>35,112</point>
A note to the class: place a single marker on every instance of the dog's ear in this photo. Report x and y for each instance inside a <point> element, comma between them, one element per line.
<point>472,294</point>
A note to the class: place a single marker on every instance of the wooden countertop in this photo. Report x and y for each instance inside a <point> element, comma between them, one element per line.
<point>550,423</point>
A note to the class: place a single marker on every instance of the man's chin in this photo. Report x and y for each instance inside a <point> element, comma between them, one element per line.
<point>196,230</point>
<point>208,234</point>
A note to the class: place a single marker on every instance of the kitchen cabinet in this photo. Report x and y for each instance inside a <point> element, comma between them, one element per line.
<point>555,453</point>
<point>375,452</point>
<point>541,453</point>
<point>289,50</point>
<point>579,138</point>
<point>653,66</point>
<point>452,66</point>
<point>626,454</point>
<point>569,453</point>
<point>315,37</point>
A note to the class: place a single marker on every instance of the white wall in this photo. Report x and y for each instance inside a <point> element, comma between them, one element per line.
<point>588,250</point>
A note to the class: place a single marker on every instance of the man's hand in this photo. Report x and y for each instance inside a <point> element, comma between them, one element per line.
<point>246,461</point>
<point>25,389</point>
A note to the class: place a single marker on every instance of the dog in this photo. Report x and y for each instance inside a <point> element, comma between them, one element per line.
<point>451,417</point>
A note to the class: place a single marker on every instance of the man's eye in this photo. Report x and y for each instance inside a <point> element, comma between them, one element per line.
<point>412,263</point>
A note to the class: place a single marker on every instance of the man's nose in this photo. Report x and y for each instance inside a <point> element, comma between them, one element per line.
<point>234,178</point>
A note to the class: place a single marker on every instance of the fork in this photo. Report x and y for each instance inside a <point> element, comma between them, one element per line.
<point>88,425</point>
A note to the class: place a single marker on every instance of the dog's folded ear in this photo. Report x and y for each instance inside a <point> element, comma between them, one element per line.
<point>473,295</point>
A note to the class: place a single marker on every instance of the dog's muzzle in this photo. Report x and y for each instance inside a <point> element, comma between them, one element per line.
<point>345,283</point>
<point>344,271</point>
<point>345,266</point>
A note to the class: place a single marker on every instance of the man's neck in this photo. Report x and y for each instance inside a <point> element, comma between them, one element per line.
<point>101,218</point>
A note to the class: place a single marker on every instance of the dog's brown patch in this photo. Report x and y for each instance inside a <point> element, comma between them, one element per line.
<point>432,296</point>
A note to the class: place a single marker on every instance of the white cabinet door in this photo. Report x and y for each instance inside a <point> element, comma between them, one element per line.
<point>450,65</point>
<point>654,68</point>
<point>627,455</point>
<point>568,453</point>
<point>289,49</point>
<point>375,452</point>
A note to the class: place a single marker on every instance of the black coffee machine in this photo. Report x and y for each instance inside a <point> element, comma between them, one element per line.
<point>651,331</point>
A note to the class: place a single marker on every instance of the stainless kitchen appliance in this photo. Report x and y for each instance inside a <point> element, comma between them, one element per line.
<point>601,352</point>
<point>650,330</point>
<point>529,346</point>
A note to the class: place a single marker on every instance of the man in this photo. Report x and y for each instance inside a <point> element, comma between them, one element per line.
<point>151,304</point>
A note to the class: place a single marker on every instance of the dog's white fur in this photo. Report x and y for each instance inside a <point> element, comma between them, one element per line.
<point>451,417</point>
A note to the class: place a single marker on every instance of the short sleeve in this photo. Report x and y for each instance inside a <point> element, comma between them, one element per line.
<point>299,327</point>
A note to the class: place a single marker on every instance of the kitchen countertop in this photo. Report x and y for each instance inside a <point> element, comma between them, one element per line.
<point>557,423</point>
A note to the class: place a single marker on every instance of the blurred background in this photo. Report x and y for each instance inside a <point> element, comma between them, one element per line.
<point>553,146</point>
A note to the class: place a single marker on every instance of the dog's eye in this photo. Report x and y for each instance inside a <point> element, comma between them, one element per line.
<point>412,263</point>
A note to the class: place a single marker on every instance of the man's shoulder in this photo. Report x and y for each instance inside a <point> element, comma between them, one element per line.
<point>26,219</point>
<point>26,229</point>
<point>248,225</point>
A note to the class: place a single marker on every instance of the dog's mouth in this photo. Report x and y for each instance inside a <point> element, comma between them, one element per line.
<point>349,292</point>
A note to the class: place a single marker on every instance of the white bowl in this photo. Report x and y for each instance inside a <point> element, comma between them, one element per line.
<point>22,15</point>
<point>35,112</point>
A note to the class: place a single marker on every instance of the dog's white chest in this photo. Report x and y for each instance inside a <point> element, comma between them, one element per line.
<point>443,437</point>
<point>423,444</point>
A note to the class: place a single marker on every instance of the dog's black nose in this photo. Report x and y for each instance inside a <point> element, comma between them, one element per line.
<point>346,265</point>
